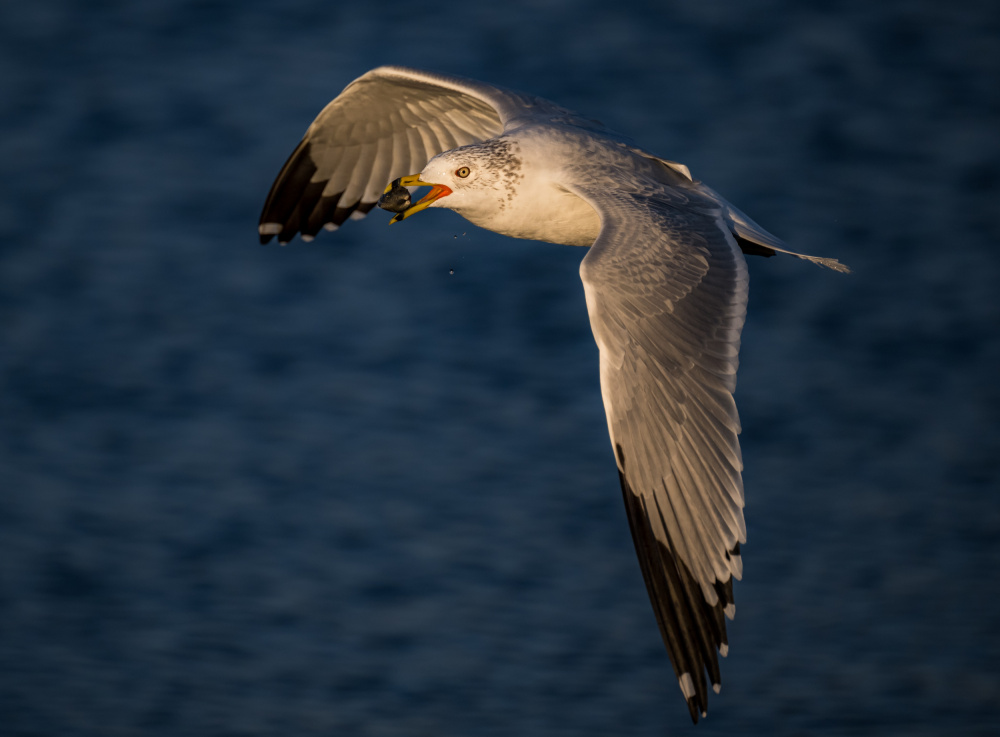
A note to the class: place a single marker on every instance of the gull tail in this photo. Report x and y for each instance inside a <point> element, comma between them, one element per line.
<point>830,263</point>
<point>756,241</point>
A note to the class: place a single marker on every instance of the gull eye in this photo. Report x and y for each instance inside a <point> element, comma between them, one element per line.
<point>463,172</point>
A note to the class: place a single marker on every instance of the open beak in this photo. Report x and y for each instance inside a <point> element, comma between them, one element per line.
<point>437,192</point>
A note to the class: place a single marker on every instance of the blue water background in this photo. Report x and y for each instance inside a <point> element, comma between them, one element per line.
<point>363,486</point>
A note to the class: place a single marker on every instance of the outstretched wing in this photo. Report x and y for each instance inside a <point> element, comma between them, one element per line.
<point>666,289</point>
<point>387,123</point>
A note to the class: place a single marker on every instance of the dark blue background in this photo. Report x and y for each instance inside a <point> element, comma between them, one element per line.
<point>337,489</point>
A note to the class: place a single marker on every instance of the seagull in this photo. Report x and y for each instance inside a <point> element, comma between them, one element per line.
<point>664,277</point>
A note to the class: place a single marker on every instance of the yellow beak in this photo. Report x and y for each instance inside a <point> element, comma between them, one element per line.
<point>437,192</point>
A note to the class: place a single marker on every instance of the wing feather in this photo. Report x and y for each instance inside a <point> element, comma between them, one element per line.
<point>431,145</point>
<point>381,170</point>
<point>363,166</point>
<point>340,177</point>
<point>401,154</point>
<point>415,145</point>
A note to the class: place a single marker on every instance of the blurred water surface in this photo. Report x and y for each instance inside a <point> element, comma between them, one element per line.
<point>363,486</point>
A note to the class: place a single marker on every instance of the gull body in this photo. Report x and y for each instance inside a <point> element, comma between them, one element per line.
<point>665,283</point>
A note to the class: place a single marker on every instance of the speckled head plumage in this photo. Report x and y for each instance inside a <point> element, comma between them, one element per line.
<point>480,175</point>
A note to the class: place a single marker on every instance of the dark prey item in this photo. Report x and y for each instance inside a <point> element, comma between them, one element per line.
<point>396,199</point>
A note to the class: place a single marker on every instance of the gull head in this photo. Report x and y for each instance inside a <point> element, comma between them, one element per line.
<point>493,185</point>
<point>476,181</point>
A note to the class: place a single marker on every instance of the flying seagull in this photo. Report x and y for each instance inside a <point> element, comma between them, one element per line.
<point>665,283</point>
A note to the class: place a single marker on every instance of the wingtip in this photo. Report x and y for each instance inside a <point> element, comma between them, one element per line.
<point>267,231</point>
<point>692,710</point>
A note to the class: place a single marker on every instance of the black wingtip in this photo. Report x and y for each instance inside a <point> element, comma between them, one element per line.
<point>297,205</point>
<point>693,630</point>
<point>693,709</point>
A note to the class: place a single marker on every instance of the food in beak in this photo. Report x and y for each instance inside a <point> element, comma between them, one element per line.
<point>396,197</point>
